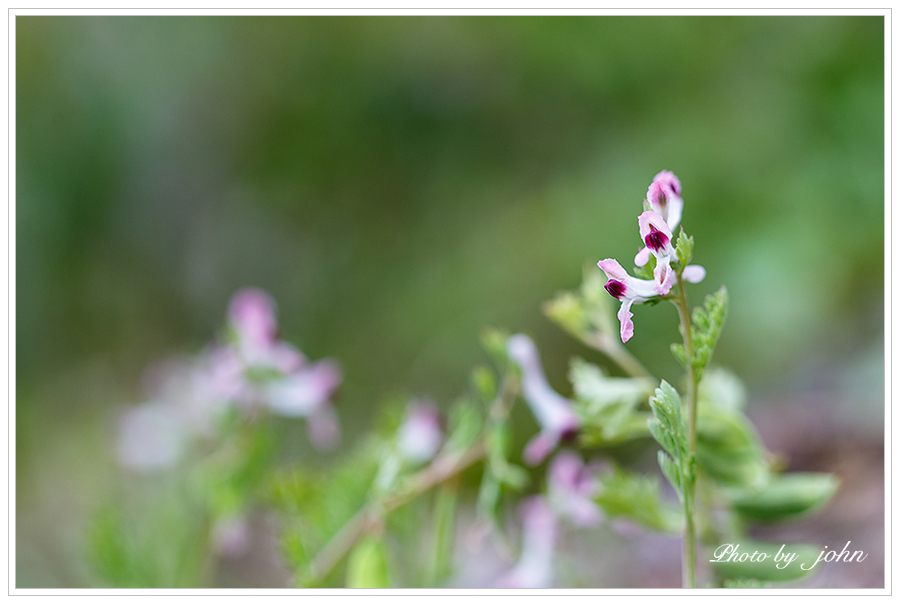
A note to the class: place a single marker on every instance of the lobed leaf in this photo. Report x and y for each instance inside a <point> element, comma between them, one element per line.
<point>786,496</point>
<point>684,248</point>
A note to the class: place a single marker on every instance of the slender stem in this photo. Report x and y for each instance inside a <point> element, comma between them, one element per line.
<point>618,353</point>
<point>371,515</point>
<point>689,555</point>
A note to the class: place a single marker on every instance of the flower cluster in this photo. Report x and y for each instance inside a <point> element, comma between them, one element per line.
<point>252,371</point>
<point>662,213</point>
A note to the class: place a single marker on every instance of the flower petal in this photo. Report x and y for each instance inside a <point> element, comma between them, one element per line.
<point>694,273</point>
<point>642,257</point>
<point>626,329</point>
<point>252,314</point>
<point>673,212</point>
<point>303,392</point>
<point>571,488</point>
<point>421,435</point>
<point>663,277</point>
<point>539,447</point>
<point>654,226</point>
<point>613,269</point>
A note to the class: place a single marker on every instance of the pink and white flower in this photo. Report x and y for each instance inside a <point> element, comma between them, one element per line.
<point>664,198</point>
<point>553,412</point>
<point>628,290</point>
<point>657,236</point>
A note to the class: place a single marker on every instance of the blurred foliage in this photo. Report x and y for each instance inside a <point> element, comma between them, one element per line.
<point>397,183</point>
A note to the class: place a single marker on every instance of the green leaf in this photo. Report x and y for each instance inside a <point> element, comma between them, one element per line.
<point>722,389</point>
<point>608,429</point>
<point>498,449</point>
<point>662,436</point>
<point>494,343</point>
<point>164,544</point>
<point>635,496</point>
<point>707,325</point>
<point>672,473</point>
<point>566,309</point>
<point>513,476</point>
<point>666,409</point>
<point>767,569</point>
<point>678,353</point>
<point>367,566</point>
<point>592,386</point>
<point>606,405</point>
<point>684,248</point>
<point>729,450</point>
<point>786,496</point>
<point>669,430</point>
<point>484,380</point>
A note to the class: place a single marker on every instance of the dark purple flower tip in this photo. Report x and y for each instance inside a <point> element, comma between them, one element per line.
<point>569,434</point>
<point>656,240</point>
<point>615,288</point>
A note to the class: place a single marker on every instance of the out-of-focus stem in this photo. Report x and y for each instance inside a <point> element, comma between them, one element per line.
<point>372,515</point>
<point>618,353</point>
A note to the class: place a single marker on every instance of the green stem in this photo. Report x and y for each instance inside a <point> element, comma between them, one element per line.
<point>372,515</point>
<point>612,348</point>
<point>689,551</point>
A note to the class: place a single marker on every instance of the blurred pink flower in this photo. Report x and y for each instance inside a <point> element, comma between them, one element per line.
<point>552,411</point>
<point>231,536</point>
<point>420,435</point>
<point>251,315</point>
<point>535,566</point>
<point>190,396</point>
<point>571,489</point>
<point>306,393</point>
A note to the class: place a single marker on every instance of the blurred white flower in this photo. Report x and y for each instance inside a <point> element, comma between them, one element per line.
<point>421,435</point>
<point>150,437</point>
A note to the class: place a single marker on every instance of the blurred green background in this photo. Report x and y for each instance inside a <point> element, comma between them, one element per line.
<point>398,183</point>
